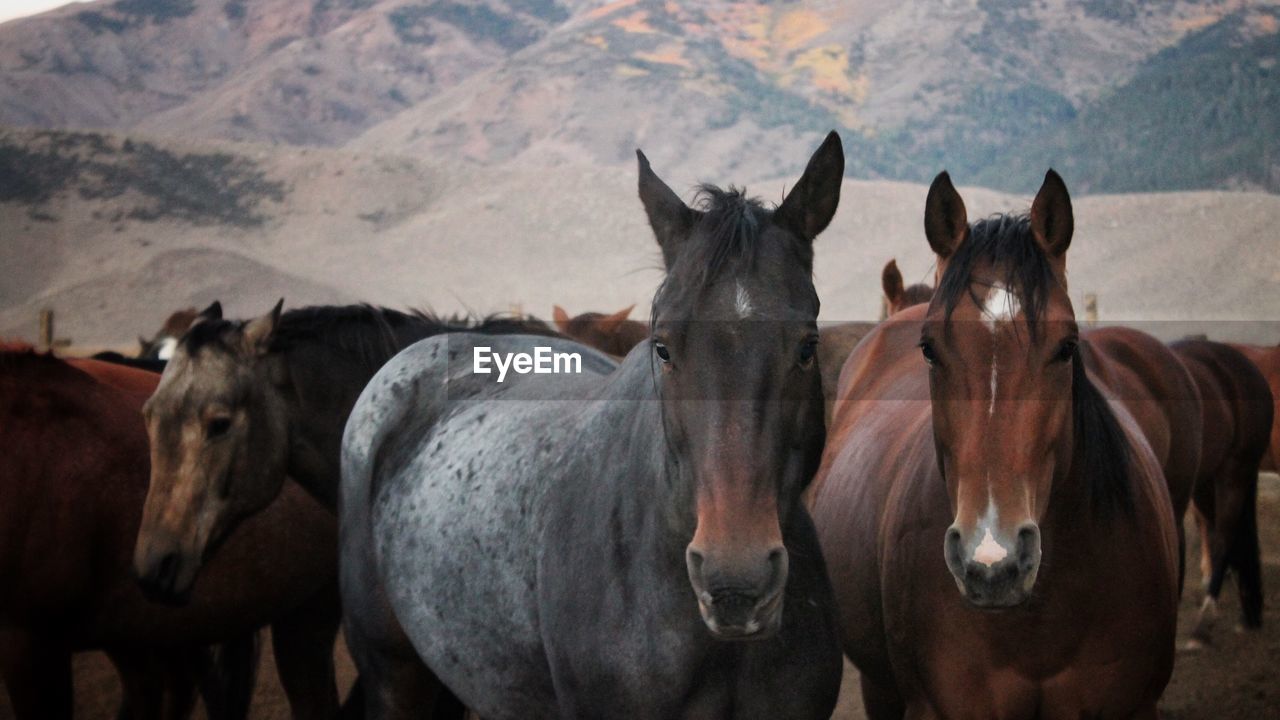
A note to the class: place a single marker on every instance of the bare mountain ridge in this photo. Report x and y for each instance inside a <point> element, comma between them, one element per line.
<point>405,233</point>
<point>733,86</point>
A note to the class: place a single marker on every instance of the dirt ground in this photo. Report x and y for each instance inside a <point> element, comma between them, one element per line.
<point>1237,677</point>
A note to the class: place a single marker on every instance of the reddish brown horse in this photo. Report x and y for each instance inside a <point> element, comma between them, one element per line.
<point>1267,360</point>
<point>997,527</point>
<point>897,295</point>
<point>613,334</point>
<point>73,478</point>
<point>1237,428</point>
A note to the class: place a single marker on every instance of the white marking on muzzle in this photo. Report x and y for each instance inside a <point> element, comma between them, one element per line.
<point>989,552</point>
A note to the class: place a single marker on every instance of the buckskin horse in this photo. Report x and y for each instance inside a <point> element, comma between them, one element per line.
<point>998,529</point>
<point>1238,418</point>
<point>243,405</point>
<point>584,545</point>
<point>897,295</point>
<point>72,481</point>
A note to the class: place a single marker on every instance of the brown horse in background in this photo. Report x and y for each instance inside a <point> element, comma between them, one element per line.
<point>997,527</point>
<point>162,344</point>
<point>73,478</point>
<point>898,296</point>
<point>613,334</point>
<point>1238,416</point>
<point>1267,360</point>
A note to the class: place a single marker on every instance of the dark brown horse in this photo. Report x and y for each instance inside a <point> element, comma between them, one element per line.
<point>72,482</point>
<point>1237,428</point>
<point>897,295</point>
<point>613,334</point>
<point>1267,360</point>
<point>997,527</point>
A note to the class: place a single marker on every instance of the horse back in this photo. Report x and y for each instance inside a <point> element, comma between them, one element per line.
<point>1238,403</point>
<point>1267,361</point>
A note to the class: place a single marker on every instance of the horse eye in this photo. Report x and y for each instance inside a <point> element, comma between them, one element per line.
<point>808,351</point>
<point>217,427</point>
<point>926,349</point>
<point>663,354</point>
<point>1066,351</point>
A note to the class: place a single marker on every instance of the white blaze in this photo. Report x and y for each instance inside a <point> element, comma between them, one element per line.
<point>1001,306</point>
<point>742,301</point>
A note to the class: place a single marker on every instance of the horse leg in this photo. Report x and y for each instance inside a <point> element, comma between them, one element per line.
<point>303,642</point>
<point>227,683</point>
<point>1239,509</point>
<point>1206,558</point>
<point>37,674</point>
<point>159,685</point>
<point>881,702</point>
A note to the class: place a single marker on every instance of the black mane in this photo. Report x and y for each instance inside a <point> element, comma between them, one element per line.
<point>367,334</point>
<point>726,237</point>
<point>1006,245</point>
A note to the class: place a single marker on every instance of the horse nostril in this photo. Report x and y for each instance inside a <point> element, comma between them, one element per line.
<point>1028,546</point>
<point>167,570</point>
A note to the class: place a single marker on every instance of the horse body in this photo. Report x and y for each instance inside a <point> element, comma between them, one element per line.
<point>289,381</point>
<point>1238,415</point>
<point>1160,394</point>
<point>1267,360</point>
<point>999,530</point>
<point>584,546</point>
<point>74,483</point>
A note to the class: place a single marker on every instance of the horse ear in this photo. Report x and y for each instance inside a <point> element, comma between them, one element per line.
<point>669,217</point>
<point>259,331</point>
<point>946,224</point>
<point>811,204</point>
<point>610,323</point>
<point>891,281</point>
<point>213,312</point>
<point>1052,222</point>
<point>561,318</point>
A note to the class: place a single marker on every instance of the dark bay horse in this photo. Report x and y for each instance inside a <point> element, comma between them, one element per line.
<point>1267,360</point>
<point>998,529</point>
<point>245,404</point>
<point>72,481</point>
<point>583,545</point>
<point>612,334</point>
<point>1238,415</point>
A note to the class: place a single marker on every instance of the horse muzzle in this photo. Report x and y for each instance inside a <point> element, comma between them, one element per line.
<point>165,576</point>
<point>739,605</point>
<point>991,571</point>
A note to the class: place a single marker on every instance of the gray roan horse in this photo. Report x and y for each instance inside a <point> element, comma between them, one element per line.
<point>583,545</point>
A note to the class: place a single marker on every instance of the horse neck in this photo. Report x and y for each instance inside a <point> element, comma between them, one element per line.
<point>324,384</point>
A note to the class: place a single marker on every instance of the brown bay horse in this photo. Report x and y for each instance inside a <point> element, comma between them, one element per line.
<point>897,295</point>
<point>72,482</point>
<point>1267,360</point>
<point>1238,415</point>
<point>243,405</point>
<point>997,527</point>
<point>613,334</point>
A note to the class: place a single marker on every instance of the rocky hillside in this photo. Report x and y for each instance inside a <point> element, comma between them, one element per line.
<point>1122,95</point>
